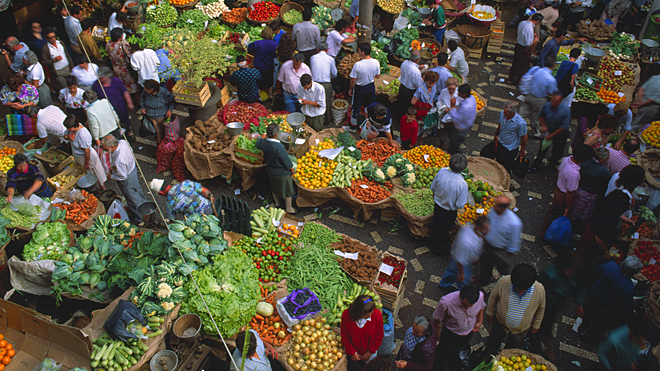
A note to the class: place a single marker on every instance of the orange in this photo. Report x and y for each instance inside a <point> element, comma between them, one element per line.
<point>6,360</point>
<point>3,343</point>
<point>10,353</point>
<point>3,352</point>
<point>9,346</point>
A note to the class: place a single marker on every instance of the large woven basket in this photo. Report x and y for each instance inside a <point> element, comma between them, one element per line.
<point>431,40</point>
<point>188,5</point>
<point>473,36</point>
<point>267,22</point>
<point>222,18</point>
<point>289,6</point>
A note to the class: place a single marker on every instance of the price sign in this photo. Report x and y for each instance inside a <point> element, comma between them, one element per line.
<point>387,269</point>
<point>621,95</point>
<point>617,73</point>
<point>38,152</point>
<point>352,256</point>
<point>652,261</point>
<point>276,223</point>
<point>214,41</point>
<point>259,240</point>
<point>319,163</point>
<point>409,25</point>
<point>263,25</point>
<point>190,21</point>
<point>590,81</point>
<point>386,82</point>
<point>351,148</point>
<point>426,158</point>
<point>144,28</point>
<point>364,186</point>
<point>635,236</point>
<point>211,141</point>
<point>480,211</point>
<point>237,192</point>
<point>339,253</point>
<point>317,142</point>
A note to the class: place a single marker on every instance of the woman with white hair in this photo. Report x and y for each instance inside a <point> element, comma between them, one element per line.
<point>101,117</point>
<point>418,349</point>
<point>37,78</point>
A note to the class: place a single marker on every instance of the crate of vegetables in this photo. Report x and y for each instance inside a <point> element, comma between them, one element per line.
<point>391,287</point>
<point>190,94</point>
<point>240,41</point>
<point>78,209</point>
<point>358,260</point>
<point>591,81</point>
<point>68,178</point>
<point>54,160</point>
<point>298,306</point>
<point>648,251</point>
<point>245,149</point>
<point>290,226</point>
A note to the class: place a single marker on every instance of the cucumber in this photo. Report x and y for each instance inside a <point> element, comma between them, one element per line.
<point>112,351</point>
<point>155,319</point>
<point>95,364</point>
<point>136,350</point>
<point>260,230</point>
<point>120,358</point>
<point>153,334</point>
<point>100,353</point>
<point>126,350</point>
<point>142,346</point>
<point>132,360</point>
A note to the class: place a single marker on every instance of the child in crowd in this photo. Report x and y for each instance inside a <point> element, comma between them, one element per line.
<point>409,128</point>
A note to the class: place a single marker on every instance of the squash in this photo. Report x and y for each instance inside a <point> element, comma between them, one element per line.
<point>264,309</point>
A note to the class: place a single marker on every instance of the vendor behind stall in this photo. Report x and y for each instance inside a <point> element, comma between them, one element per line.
<point>187,197</point>
<point>380,117</point>
<point>279,167</point>
<point>25,179</point>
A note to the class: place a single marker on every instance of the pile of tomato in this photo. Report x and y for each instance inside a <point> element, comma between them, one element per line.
<point>263,11</point>
<point>434,48</point>
<point>648,253</point>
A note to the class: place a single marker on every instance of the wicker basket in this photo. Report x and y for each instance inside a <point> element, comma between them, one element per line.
<point>473,36</point>
<point>3,176</point>
<point>184,6</point>
<point>483,109</point>
<point>431,40</point>
<point>267,22</point>
<point>289,6</point>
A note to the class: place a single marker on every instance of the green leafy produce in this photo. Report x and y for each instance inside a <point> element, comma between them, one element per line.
<point>198,59</point>
<point>152,36</point>
<point>583,93</point>
<point>161,15</point>
<point>17,219</point>
<point>4,234</point>
<point>379,55</point>
<point>192,20</point>
<point>648,215</point>
<point>230,287</point>
<point>49,242</point>
<point>346,140</point>
<point>321,17</point>
<point>560,58</point>
<point>623,44</point>
<point>317,234</point>
<point>249,145</point>
<point>293,16</point>
<point>403,38</point>
<point>419,202</point>
<point>413,16</point>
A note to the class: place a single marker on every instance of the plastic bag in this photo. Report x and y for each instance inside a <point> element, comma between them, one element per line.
<point>117,210</point>
<point>388,344</point>
<point>116,325</point>
<point>400,23</point>
<point>76,195</point>
<point>147,128</point>
<point>104,156</point>
<point>172,128</point>
<point>560,232</point>
<point>367,131</point>
<point>48,364</point>
<point>23,206</point>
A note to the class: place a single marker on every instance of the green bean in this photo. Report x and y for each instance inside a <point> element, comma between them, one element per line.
<point>420,202</point>
<point>317,234</point>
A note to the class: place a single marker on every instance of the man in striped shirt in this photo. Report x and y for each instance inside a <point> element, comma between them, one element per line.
<point>516,307</point>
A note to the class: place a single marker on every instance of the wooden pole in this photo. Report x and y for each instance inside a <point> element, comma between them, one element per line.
<point>365,21</point>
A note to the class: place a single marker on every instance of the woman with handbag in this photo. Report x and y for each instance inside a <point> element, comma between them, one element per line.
<point>423,100</point>
<point>120,54</point>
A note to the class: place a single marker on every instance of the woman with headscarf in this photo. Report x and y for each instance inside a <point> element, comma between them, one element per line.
<point>18,95</point>
<point>361,332</point>
<point>418,349</point>
<point>120,54</point>
<point>36,77</point>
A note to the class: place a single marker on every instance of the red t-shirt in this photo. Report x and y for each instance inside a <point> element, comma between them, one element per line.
<point>365,339</point>
<point>408,130</point>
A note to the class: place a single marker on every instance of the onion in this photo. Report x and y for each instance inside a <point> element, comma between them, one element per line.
<point>291,361</point>
<point>312,357</point>
<point>297,327</point>
<point>296,347</point>
<point>296,367</point>
<point>296,355</point>
<point>318,325</point>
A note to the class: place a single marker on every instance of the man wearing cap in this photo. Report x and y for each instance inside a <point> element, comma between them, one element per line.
<point>245,80</point>
<point>187,197</point>
<point>515,307</point>
<point>124,172</point>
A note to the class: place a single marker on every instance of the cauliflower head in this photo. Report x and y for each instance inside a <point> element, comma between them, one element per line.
<point>410,178</point>
<point>164,290</point>
<point>390,171</point>
<point>380,175</point>
<point>167,306</point>
<point>409,167</point>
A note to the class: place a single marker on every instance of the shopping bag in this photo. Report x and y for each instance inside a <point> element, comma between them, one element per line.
<point>560,232</point>
<point>520,167</point>
<point>147,128</point>
<point>367,131</point>
<point>118,211</point>
<point>172,128</point>
<point>489,150</point>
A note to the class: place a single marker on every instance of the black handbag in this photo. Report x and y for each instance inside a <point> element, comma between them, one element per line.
<point>520,167</point>
<point>489,150</point>
<point>147,128</point>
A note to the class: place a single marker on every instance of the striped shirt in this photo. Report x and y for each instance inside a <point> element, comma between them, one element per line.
<point>517,306</point>
<point>50,121</point>
<point>617,161</point>
<point>157,105</point>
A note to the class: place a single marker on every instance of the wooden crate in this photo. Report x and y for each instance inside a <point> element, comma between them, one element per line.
<point>244,40</point>
<point>74,170</point>
<point>476,53</point>
<point>388,297</point>
<point>290,219</point>
<point>225,95</point>
<point>54,167</point>
<point>260,158</point>
<point>193,96</point>
<point>496,37</point>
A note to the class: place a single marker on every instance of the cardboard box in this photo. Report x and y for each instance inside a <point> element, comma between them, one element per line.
<point>290,220</point>
<point>449,6</point>
<point>74,170</point>
<point>35,338</point>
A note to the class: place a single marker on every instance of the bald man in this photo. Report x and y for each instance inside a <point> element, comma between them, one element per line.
<point>503,241</point>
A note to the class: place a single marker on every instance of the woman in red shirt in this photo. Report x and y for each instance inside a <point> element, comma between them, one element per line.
<point>361,332</point>
<point>409,128</point>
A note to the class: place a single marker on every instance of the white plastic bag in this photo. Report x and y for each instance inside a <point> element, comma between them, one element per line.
<point>118,209</point>
<point>400,23</point>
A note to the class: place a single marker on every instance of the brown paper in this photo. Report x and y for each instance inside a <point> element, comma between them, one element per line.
<point>392,97</point>
<point>87,224</point>
<point>207,165</point>
<point>650,161</point>
<point>490,171</point>
<point>96,330</point>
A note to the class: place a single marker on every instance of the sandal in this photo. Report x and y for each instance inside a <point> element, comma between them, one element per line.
<point>292,212</point>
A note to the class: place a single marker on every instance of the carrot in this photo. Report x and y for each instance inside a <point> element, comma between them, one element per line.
<point>259,317</point>
<point>276,318</point>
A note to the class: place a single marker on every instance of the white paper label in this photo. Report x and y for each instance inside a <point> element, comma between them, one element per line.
<point>263,25</point>
<point>237,192</point>
<point>353,256</point>
<point>214,41</point>
<point>364,186</point>
<point>259,240</point>
<point>319,163</point>
<point>386,82</point>
<point>652,261</point>
<point>144,28</point>
<point>387,269</point>
<point>317,142</point>
<point>473,2</point>
<point>276,223</point>
<point>590,81</point>
<point>426,158</point>
<point>351,148</point>
<point>501,80</point>
<point>480,211</point>
<point>211,141</point>
<point>621,95</point>
<point>529,369</point>
<point>578,322</point>
<point>38,152</point>
<point>617,73</point>
<point>190,21</point>
<point>409,25</point>
<point>339,253</point>
<point>635,236</point>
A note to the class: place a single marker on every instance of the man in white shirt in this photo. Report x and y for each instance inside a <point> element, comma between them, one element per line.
<point>465,252</point>
<point>306,35</point>
<point>50,124</point>
<point>323,71</point>
<point>117,20</point>
<point>503,242</point>
<point>146,63</point>
<point>411,79</point>
<point>124,172</point>
<point>450,193</point>
<point>55,56</point>
<point>312,98</point>
<point>526,42</point>
<point>457,62</point>
<point>73,28</point>
<point>337,37</point>
<point>85,72</point>
<point>362,79</point>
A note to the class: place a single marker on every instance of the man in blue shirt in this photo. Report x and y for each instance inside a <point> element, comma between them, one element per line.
<point>511,133</point>
<point>245,80</point>
<point>551,48</point>
<point>566,75</point>
<point>555,123</point>
<point>542,85</point>
<point>19,49</point>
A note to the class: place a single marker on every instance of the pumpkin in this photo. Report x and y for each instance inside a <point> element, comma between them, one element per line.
<point>415,45</point>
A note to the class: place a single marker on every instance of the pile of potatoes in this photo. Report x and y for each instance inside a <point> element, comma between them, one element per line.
<point>598,30</point>
<point>210,137</point>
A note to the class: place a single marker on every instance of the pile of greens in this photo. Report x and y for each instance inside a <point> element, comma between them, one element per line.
<point>345,139</point>
<point>160,290</point>
<point>16,218</point>
<point>623,44</point>
<point>49,242</point>
<point>321,17</point>
<point>230,287</point>
<point>380,56</point>
<point>413,16</point>
<point>4,233</point>
<point>198,238</point>
<point>403,38</point>
<point>249,145</point>
<point>192,20</point>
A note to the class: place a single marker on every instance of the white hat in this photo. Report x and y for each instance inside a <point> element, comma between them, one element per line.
<point>156,185</point>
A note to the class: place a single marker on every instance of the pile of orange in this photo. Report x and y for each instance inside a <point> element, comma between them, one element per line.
<point>179,2</point>
<point>652,134</point>
<point>7,352</point>
<point>609,96</point>
<point>435,157</point>
<point>471,213</point>
<point>7,151</point>
<point>315,172</point>
<point>480,103</point>
<point>290,229</point>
